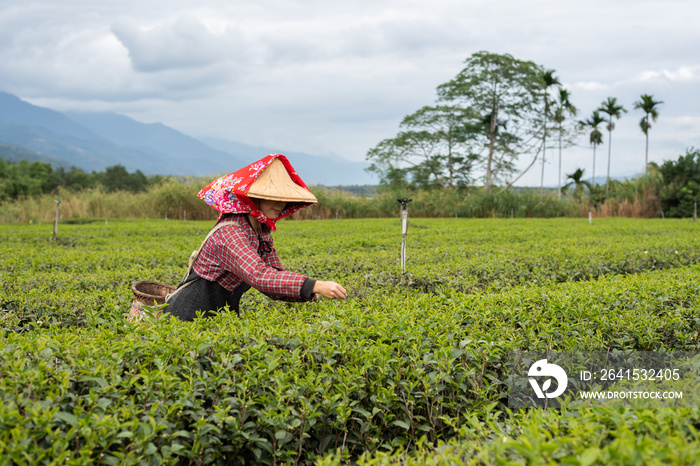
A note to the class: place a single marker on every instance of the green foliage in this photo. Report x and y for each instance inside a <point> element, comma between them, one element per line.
<point>437,149</point>
<point>649,106</point>
<point>507,92</point>
<point>596,137</point>
<point>613,110</point>
<point>117,178</point>
<point>593,436</point>
<point>681,180</point>
<point>22,179</point>
<point>493,116</point>
<point>578,183</point>
<point>408,363</point>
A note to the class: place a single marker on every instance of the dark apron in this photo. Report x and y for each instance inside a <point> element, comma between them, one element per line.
<point>205,296</point>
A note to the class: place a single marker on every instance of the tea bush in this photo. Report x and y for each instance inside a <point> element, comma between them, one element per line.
<point>411,369</point>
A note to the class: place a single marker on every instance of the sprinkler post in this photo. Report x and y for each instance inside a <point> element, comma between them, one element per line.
<point>404,229</point>
<point>55,222</point>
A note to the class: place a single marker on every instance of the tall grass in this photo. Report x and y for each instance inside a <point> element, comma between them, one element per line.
<point>177,200</point>
<point>639,197</point>
<point>172,199</point>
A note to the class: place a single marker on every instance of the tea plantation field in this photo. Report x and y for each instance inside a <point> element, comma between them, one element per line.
<point>411,369</point>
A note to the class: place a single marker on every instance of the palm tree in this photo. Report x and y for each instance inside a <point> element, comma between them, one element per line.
<point>563,105</point>
<point>648,106</point>
<point>596,137</point>
<point>579,183</point>
<point>548,81</point>
<point>612,108</point>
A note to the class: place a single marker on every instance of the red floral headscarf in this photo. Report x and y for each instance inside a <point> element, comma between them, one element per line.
<point>229,194</point>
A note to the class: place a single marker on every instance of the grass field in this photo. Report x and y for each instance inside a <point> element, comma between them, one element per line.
<point>409,370</point>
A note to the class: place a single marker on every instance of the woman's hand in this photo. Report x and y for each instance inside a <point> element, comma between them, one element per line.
<point>330,290</point>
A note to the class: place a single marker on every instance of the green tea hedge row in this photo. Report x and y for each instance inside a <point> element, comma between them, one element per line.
<point>286,384</point>
<point>86,272</point>
<point>579,438</point>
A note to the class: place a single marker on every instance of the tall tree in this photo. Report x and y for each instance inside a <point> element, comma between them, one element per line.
<point>596,137</point>
<point>649,106</point>
<point>614,110</point>
<point>563,106</point>
<point>508,92</point>
<point>549,81</point>
<point>435,148</point>
<point>578,182</point>
<point>681,184</point>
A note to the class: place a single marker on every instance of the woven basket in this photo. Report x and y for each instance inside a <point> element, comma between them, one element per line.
<point>149,294</point>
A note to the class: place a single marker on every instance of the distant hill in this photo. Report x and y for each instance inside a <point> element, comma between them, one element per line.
<point>95,141</point>
<point>313,169</point>
<point>160,141</point>
<point>88,155</point>
<point>15,154</point>
<point>15,111</point>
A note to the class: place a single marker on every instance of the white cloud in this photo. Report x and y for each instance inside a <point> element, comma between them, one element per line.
<point>648,75</point>
<point>589,86</point>
<point>680,74</point>
<point>685,123</point>
<point>683,73</point>
<point>182,44</point>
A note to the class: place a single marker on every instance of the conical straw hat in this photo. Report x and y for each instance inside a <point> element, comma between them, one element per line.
<point>275,184</point>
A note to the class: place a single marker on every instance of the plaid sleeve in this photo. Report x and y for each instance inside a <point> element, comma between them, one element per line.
<point>236,251</point>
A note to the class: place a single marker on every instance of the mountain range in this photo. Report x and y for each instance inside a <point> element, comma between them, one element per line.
<point>96,140</point>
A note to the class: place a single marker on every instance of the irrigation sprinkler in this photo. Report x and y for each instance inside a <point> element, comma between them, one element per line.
<point>590,217</point>
<point>55,222</point>
<point>404,229</point>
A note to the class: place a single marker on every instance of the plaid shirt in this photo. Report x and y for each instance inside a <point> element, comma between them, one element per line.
<point>230,257</point>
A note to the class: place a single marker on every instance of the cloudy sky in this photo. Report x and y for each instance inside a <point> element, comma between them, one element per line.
<point>336,77</point>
